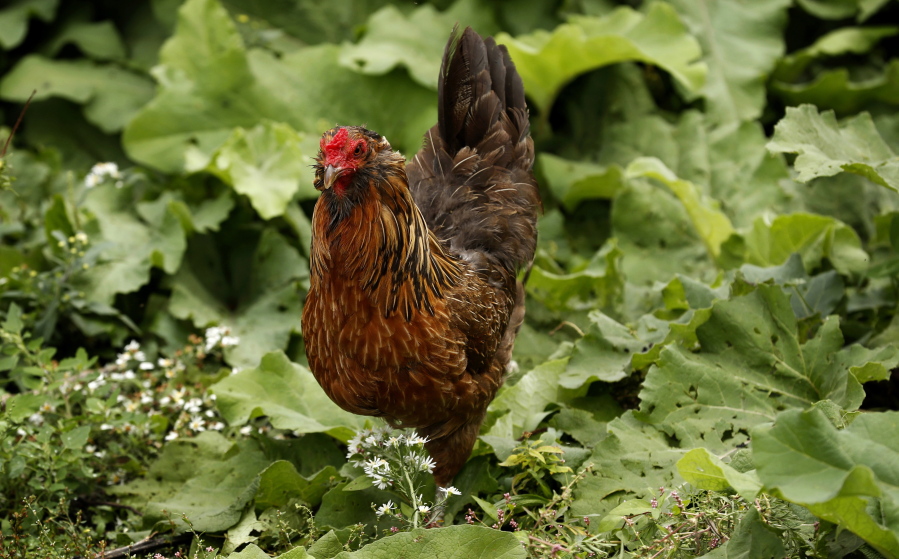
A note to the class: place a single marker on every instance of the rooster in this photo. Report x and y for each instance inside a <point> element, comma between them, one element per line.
<point>414,300</point>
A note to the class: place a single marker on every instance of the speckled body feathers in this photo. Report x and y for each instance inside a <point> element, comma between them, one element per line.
<point>414,301</point>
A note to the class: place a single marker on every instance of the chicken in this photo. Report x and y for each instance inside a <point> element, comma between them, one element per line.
<point>414,300</point>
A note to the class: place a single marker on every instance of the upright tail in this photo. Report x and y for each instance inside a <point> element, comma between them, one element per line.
<point>473,179</point>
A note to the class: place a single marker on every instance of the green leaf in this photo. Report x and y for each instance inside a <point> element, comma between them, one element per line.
<point>547,61</point>
<point>598,284</point>
<point>208,478</point>
<point>571,182</point>
<point>288,394</point>
<point>14,19</point>
<point>261,304</point>
<point>340,509</point>
<point>813,237</point>
<point>710,223</point>
<point>111,96</point>
<point>706,471</point>
<point>825,148</point>
<point>753,538</point>
<point>835,89</point>
<point>849,477</point>
<point>210,83</point>
<point>741,43</point>
<point>133,237</point>
<point>830,9</point>
<point>280,483</point>
<point>391,39</point>
<point>99,40</point>
<point>615,518</point>
<point>268,163</point>
<point>845,40</point>
<point>656,237</point>
<point>633,461</point>
<point>752,365</point>
<point>452,542</point>
<point>527,400</point>
<point>76,438</point>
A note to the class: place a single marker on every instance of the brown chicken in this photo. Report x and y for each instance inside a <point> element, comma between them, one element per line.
<point>414,300</point>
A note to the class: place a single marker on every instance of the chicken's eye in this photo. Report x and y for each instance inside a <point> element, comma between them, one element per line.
<point>360,149</point>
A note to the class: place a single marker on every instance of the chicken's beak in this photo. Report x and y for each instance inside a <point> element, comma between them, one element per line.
<point>331,174</point>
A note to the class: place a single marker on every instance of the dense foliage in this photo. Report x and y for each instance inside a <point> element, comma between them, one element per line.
<point>712,316</point>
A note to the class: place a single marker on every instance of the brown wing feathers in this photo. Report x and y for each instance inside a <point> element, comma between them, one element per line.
<point>472,180</point>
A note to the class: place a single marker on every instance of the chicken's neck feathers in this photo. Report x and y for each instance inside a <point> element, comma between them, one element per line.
<point>383,247</point>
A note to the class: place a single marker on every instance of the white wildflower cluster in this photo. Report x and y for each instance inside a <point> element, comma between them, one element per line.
<point>100,172</point>
<point>219,336</point>
<point>399,462</point>
<point>156,392</point>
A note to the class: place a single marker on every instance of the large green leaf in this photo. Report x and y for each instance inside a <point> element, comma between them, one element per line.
<point>849,476</point>
<point>633,461</point>
<point>741,42</point>
<point>845,40</point>
<point>452,542</point>
<point>813,237</point>
<point>250,285</point>
<point>574,181</point>
<point>208,479</point>
<point>111,96</point>
<point>133,238</point>
<point>268,163</point>
<point>753,538</point>
<point>752,364</point>
<point>710,223</point>
<point>14,19</point>
<point>825,148</point>
<point>288,394</point>
<point>526,401</point>
<point>392,39</point>
<point>210,83</point>
<point>835,89</point>
<point>549,60</point>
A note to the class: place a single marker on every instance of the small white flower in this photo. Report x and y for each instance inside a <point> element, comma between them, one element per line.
<point>178,396</point>
<point>426,464</point>
<point>131,406</point>
<point>164,401</point>
<point>171,436</point>
<point>377,465</point>
<point>214,335</point>
<point>246,430</point>
<point>129,375</point>
<point>217,426</point>
<point>81,237</point>
<point>165,363</point>
<point>447,491</point>
<point>132,346</point>
<point>46,407</point>
<point>415,440</point>
<point>230,341</point>
<point>139,356</point>
<point>146,399</point>
<point>105,427</point>
<point>90,448</point>
<point>147,366</point>
<point>197,424</point>
<point>424,509</point>
<point>386,508</point>
<point>36,418</point>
